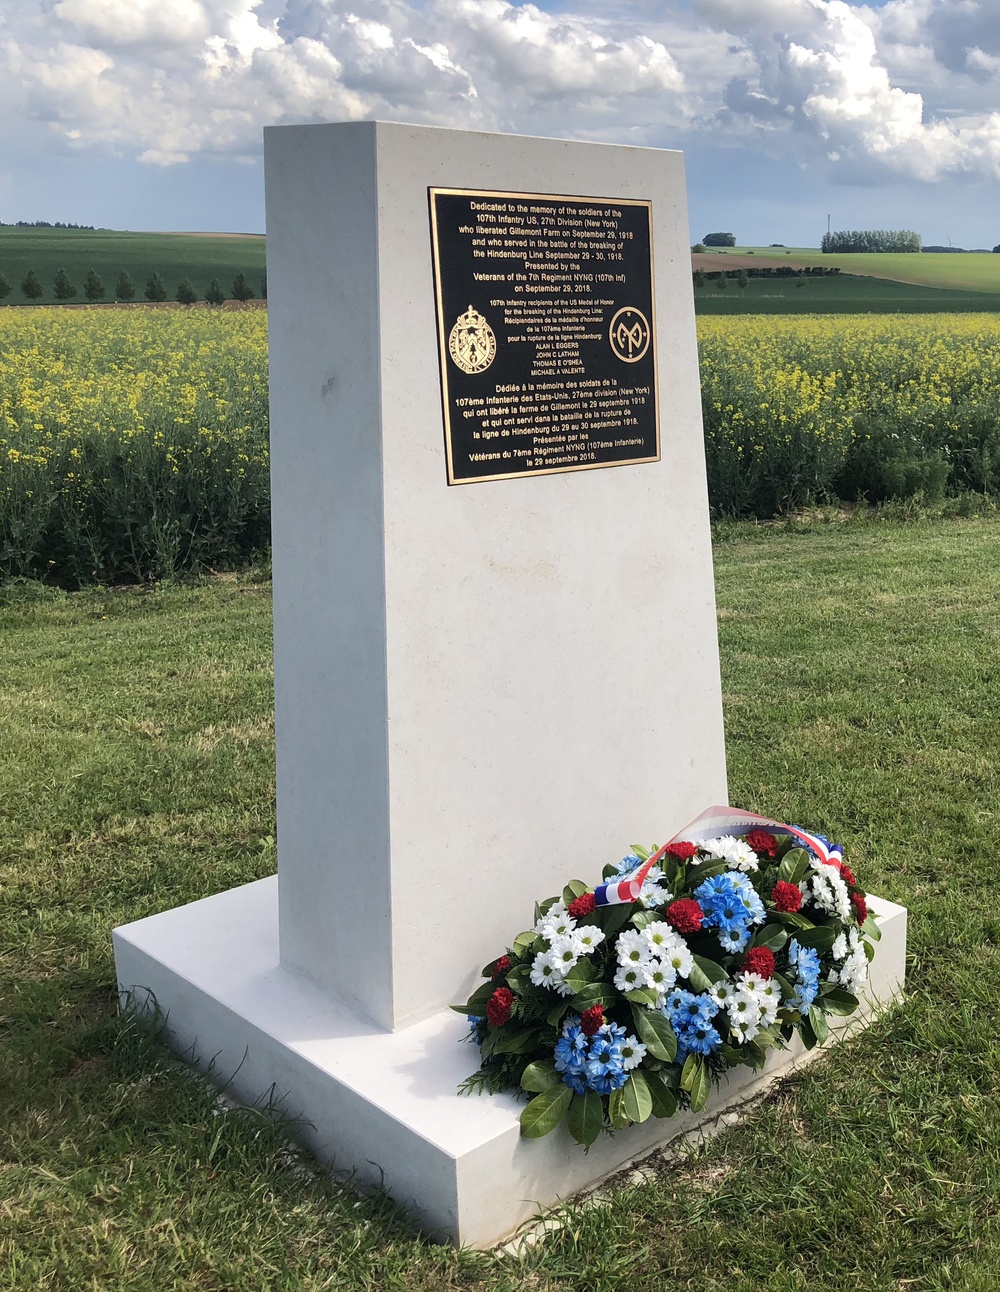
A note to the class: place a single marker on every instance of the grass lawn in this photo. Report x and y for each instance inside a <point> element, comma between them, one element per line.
<point>174,256</point>
<point>974,271</point>
<point>860,667</point>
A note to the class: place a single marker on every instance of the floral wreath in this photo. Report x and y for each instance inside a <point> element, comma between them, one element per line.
<point>629,999</point>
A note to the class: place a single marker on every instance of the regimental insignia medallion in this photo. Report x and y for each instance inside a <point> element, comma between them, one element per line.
<point>629,334</point>
<point>471,342</point>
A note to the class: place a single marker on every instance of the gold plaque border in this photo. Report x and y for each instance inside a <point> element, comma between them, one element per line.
<point>432,192</point>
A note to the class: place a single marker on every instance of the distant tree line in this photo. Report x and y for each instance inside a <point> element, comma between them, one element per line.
<point>719,240</point>
<point>64,289</point>
<point>871,240</point>
<point>43,224</point>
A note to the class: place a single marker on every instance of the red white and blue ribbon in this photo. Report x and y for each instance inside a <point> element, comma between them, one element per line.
<point>711,824</point>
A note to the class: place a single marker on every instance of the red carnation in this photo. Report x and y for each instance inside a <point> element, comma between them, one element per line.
<point>582,905</point>
<point>759,960</point>
<point>762,842</point>
<point>501,966</point>
<point>848,876</point>
<point>685,915</point>
<point>498,1006</point>
<point>860,907</point>
<point>682,851</point>
<point>786,897</point>
<point>592,1020</point>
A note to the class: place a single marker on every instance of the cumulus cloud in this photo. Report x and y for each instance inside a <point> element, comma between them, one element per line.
<point>863,87</point>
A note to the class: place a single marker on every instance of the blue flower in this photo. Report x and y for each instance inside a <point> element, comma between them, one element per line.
<point>734,939</point>
<point>628,864</point>
<point>697,1040</point>
<point>689,1010</point>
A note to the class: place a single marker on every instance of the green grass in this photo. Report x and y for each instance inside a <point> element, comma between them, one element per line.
<point>859,671</point>
<point>841,294</point>
<point>174,256</point>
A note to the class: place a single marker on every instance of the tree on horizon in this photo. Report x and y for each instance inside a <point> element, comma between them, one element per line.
<point>155,291</point>
<point>124,287</point>
<point>31,286</point>
<point>214,294</point>
<point>93,286</point>
<point>185,294</point>
<point>242,291</point>
<point>63,287</point>
<point>5,288</point>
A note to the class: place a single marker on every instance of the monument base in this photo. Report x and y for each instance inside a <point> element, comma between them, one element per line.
<point>383,1105</point>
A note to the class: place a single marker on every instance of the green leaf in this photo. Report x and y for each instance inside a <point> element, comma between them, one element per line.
<point>583,971</point>
<point>664,1099</point>
<point>476,1004</point>
<point>617,1110</point>
<point>704,870</point>
<point>515,1042</point>
<point>820,938</point>
<point>642,853</point>
<point>642,917</point>
<point>792,919</point>
<point>641,996</point>
<point>869,951</point>
<point>523,942</point>
<point>554,1015</point>
<point>545,1111</point>
<point>595,993</point>
<point>540,1075</point>
<point>772,936</point>
<point>794,865</point>
<point>807,1034</point>
<point>586,1117</point>
<point>701,1083</point>
<point>871,929</point>
<point>617,918</point>
<point>637,1097</point>
<point>574,889</point>
<point>688,1072</point>
<point>705,972</point>
<point>656,1034</point>
<point>836,1000</point>
<point>820,1027</point>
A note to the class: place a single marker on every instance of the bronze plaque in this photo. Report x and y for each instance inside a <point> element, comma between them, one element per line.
<point>546,332</point>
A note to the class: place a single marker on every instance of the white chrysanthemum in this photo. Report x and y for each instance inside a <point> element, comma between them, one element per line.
<point>587,939</point>
<point>562,987</point>
<point>544,970</point>
<point>754,983</point>
<point>555,911</point>
<point>830,893</point>
<point>743,1009</point>
<point>563,952</point>
<point>659,976</point>
<point>680,959</point>
<point>557,926</point>
<point>629,977</point>
<point>722,992</point>
<point>854,971</point>
<point>744,1031</point>
<point>633,1052</point>
<point>769,1010</point>
<point>840,948</point>
<point>654,895</point>
<point>661,937</point>
<point>632,948</point>
<point>741,857</point>
<point>721,847</point>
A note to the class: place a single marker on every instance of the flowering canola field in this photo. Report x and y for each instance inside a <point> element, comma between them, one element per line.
<point>133,442</point>
<point>848,406</point>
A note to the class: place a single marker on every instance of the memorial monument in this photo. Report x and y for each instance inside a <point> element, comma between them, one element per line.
<point>496,661</point>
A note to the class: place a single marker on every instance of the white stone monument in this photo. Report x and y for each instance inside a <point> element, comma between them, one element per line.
<point>496,661</point>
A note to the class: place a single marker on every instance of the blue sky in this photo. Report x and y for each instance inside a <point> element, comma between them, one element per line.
<point>147,114</point>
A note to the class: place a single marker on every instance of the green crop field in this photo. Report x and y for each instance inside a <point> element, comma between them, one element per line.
<point>174,256</point>
<point>971,271</point>
<point>839,294</point>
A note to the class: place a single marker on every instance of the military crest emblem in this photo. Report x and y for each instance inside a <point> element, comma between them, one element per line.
<point>471,342</point>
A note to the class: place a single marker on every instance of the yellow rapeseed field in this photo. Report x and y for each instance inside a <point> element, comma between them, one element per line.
<point>133,441</point>
<point>798,408</point>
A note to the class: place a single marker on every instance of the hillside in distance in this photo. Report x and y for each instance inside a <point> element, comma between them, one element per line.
<point>199,257</point>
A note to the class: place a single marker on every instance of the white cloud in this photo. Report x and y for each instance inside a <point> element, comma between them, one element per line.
<point>908,89</point>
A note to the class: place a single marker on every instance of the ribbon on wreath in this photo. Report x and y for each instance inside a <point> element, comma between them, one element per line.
<point>710,824</point>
